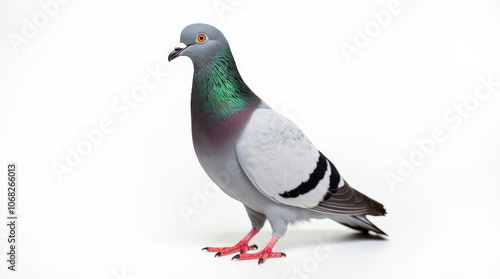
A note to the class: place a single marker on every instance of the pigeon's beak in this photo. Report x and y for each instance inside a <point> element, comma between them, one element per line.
<point>177,51</point>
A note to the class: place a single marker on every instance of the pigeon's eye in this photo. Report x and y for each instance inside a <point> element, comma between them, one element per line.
<point>201,38</point>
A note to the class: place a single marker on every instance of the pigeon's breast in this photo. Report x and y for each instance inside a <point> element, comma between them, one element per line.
<point>214,146</point>
<point>209,131</point>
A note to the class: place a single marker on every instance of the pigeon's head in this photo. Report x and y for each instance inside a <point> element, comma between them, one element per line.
<point>200,42</point>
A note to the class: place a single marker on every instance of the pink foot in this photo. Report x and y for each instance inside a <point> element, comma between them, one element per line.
<point>241,246</point>
<point>223,251</point>
<point>262,255</point>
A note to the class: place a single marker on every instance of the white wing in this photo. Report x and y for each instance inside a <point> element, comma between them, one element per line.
<point>282,162</point>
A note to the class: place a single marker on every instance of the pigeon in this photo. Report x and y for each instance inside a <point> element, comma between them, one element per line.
<point>259,157</point>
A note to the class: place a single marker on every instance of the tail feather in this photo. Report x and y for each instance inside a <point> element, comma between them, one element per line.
<point>357,222</point>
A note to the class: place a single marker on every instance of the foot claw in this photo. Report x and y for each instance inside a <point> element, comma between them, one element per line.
<point>261,256</point>
<point>223,251</point>
<point>241,246</point>
<point>255,247</point>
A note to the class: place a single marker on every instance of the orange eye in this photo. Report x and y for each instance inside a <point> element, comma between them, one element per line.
<point>201,38</point>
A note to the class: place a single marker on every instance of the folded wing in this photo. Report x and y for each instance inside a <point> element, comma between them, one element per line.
<point>285,166</point>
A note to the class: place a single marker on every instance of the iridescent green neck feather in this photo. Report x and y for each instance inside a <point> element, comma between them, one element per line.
<point>218,91</point>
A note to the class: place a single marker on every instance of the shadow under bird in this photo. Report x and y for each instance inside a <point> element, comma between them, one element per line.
<point>257,156</point>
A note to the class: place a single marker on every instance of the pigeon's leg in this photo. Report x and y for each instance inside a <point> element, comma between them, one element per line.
<point>258,220</point>
<point>264,254</point>
<point>279,227</point>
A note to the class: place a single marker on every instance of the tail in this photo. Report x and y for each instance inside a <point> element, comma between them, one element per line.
<point>357,222</point>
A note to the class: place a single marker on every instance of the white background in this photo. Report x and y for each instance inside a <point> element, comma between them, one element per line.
<point>117,214</point>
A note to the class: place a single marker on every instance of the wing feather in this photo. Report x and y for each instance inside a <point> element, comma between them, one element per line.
<point>346,200</point>
<point>278,157</point>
